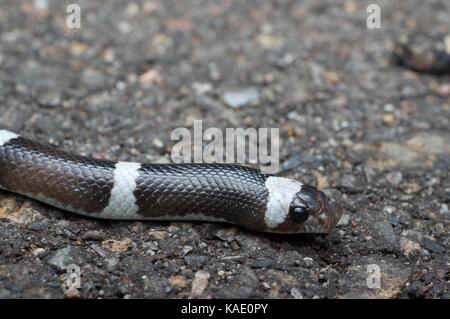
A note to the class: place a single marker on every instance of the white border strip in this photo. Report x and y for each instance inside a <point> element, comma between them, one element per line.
<point>6,136</point>
<point>281,193</point>
<point>122,202</point>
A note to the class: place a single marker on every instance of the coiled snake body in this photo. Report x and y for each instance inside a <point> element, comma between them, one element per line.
<point>133,191</point>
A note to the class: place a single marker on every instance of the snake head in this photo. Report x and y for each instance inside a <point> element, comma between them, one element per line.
<point>312,211</point>
<point>302,209</point>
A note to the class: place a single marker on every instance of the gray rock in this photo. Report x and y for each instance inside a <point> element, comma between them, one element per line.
<point>50,99</point>
<point>42,78</point>
<point>413,235</point>
<point>248,243</point>
<point>430,142</point>
<point>195,261</point>
<point>288,259</point>
<point>112,263</point>
<point>226,234</point>
<point>384,236</point>
<point>155,286</point>
<point>244,285</point>
<point>413,290</point>
<point>100,251</point>
<point>38,225</point>
<point>345,220</point>
<point>410,188</point>
<point>201,88</point>
<point>444,210</point>
<point>291,163</point>
<point>242,97</point>
<point>433,246</point>
<point>350,183</point>
<point>394,178</point>
<point>62,258</point>
<point>93,79</point>
<point>263,263</point>
<point>296,293</point>
<point>93,235</point>
<point>282,59</point>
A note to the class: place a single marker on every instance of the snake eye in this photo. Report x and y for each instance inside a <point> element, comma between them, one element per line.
<point>299,211</point>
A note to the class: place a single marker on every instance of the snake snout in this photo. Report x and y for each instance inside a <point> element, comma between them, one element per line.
<point>335,211</point>
<point>313,212</point>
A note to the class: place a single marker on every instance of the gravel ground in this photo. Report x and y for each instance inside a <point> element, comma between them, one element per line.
<point>371,133</point>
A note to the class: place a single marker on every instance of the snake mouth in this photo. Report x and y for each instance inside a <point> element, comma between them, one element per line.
<point>311,211</point>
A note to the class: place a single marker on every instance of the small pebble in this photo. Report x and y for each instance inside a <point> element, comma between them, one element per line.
<point>178,281</point>
<point>296,293</point>
<point>187,249</point>
<point>157,234</point>
<point>242,97</point>
<point>39,252</point>
<point>93,235</point>
<point>444,210</point>
<point>345,220</point>
<point>309,262</point>
<point>433,246</point>
<point>199,284</point>
<point>72,293</point>
<point>408,247</point>
<point>394,178</point>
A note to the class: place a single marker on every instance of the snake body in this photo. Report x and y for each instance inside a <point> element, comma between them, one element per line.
<point>133,191</point>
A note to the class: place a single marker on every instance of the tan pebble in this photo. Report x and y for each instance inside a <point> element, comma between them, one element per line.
<point>408,247</point>
<point>444,89</point>
<point>137,226</point>
<point>389,118</point>
<point>178,281</point>
<point>429,143</point>
<point>322,180</point>
<point>331,77</point>
<point>78,48</point>
<point>268,41</point>
<point>17,213</point>
<point>157,234</point>
<point>199,284</point>
<point>72,293</point>
<point>350,6</point>
<point>117,245</point>
<point>150,77</point>
<point>38,252</point>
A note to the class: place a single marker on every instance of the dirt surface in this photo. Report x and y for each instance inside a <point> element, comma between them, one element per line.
<point>371,133</point>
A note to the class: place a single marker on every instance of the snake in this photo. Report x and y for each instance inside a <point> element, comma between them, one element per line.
<point>198,192</point>
<point>423,53</point>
